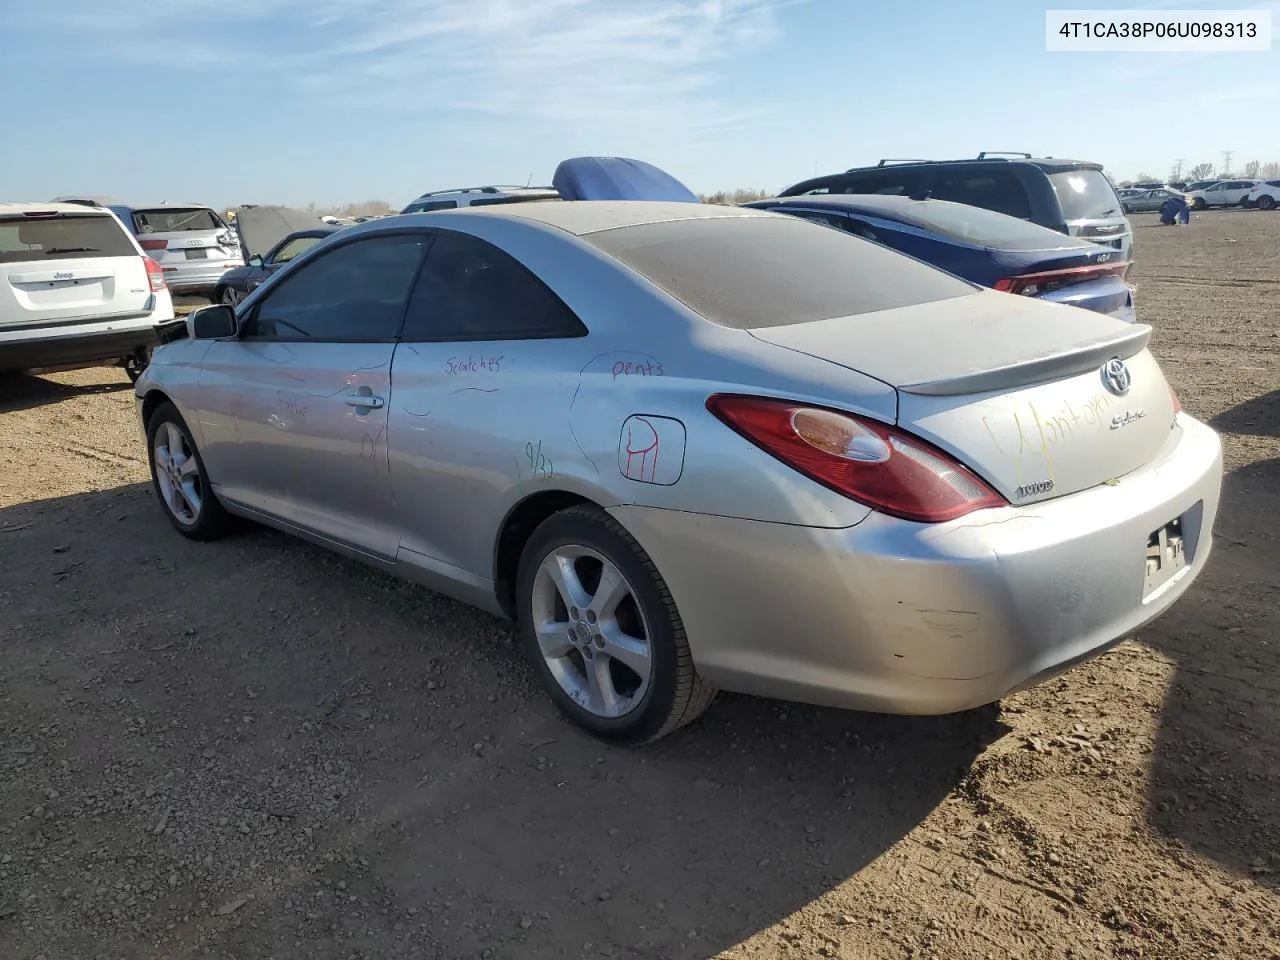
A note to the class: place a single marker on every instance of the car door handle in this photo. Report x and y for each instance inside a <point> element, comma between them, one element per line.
<point>365,401</point>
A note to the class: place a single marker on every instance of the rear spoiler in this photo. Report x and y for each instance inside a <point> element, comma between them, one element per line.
<point>1041,370</point>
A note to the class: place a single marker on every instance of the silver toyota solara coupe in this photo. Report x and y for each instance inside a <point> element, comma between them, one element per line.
<point>690,447</point>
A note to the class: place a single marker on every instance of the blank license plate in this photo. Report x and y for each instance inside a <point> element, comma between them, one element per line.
<point>199,253</point>
<point>1166,555</point>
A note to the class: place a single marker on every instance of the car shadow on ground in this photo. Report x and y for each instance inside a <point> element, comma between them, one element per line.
<point>370,733</point>
<point>1259,417</point>
<point>1215,778</point>
<point>25,391</point>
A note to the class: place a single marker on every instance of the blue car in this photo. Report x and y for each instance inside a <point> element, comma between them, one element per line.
<point>982,246</point>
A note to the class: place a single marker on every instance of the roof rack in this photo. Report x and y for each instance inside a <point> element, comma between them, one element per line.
<point>496,188</point>
<point>989,154</point>
<point>889,160</point>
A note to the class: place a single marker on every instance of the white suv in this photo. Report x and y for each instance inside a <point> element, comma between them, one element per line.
<point>478,197</point>
<point>1224,193</point>
<point>76,290</point>
<point>1264,196</point>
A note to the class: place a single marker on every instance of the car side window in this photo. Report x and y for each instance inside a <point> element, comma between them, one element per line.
<point>470,290</point>
<point>846,224</point>
<point>430,205</point>
<point>294,247</point>
<point>996,190</point>
<point>892,183</point>
<point>352,293</point>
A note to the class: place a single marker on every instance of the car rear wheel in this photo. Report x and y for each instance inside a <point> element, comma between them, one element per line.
<point>180,480</point>
<point>602,631</point>
<point>136,363</point>
<point>1266,203</point>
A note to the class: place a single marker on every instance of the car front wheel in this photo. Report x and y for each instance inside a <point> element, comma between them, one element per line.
<point>1198,203</point>
<point>602,631</point>
<point>179,478</point>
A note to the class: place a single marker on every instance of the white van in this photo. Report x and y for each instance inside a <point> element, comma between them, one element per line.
<point>76,290</point>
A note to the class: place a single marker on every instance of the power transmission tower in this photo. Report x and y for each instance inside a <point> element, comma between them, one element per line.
<point>1177,170</point>
<point>1226,162</point>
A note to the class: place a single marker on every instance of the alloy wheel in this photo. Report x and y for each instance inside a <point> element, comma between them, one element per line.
<point>591,631</point>
<point>178,474</point>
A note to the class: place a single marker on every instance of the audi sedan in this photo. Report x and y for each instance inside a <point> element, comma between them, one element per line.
<point>689,448</point>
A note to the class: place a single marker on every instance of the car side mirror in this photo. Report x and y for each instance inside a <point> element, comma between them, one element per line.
<point>255,261</point>
<point>213,323</point>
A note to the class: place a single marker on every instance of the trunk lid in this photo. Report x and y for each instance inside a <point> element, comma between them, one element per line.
<point>56,267</point>
<point>1011,386</point>
<point>261,228</point>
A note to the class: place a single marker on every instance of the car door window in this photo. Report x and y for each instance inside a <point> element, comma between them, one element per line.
<point>429,205</point>
<point>292,248</point>
<point>355,292</point>
<point>996,190</point>
<point>892,183</point>
<point>471,290</point>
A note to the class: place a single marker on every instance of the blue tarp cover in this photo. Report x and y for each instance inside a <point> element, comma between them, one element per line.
<point>617,178</point>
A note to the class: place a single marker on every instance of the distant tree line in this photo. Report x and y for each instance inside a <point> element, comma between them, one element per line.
<point>1253,170</point>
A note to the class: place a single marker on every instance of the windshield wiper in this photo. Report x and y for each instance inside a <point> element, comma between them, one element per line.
<point>54,250</point>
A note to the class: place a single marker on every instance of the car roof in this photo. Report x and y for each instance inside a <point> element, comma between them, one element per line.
<point>10,208</point>
<point>581,217</point>
<point>167,205</point>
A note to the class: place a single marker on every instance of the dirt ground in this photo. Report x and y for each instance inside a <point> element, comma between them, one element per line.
<point>254,749</point>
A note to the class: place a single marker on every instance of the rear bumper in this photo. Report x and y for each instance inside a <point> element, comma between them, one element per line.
<point>67,345</point>
<point>68,352</point>
<point>200,279</point>
<point>910,618</point>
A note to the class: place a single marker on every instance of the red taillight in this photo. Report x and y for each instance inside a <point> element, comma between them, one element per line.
<point>154,244</point>
<point>881,466</point>
<point>155,273</point>
<point>1034,284</point>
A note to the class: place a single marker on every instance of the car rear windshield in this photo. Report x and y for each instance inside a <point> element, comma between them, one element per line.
<point>1085,195</point>
<point>62,237</point>
<point>174,220</point>
<point>747,272</point>
<point>985,228</point>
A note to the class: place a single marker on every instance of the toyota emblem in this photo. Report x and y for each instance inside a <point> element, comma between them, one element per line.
<point>1116,377</point>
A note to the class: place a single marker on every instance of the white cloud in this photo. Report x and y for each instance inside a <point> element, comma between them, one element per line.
<point>613,62</point>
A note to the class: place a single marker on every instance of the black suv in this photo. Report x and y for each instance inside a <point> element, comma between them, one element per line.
<point>1070,196</point>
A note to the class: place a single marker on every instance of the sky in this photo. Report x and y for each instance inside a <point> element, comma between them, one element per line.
<point>338,101</point>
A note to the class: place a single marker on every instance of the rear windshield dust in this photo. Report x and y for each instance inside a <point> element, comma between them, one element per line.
<point>747,272</point>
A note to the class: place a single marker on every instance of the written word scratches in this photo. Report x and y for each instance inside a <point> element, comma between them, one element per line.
<point>540,465</point>
<point>1034,432</point>
<point>289,413</point>
<point>644,368</point>
<point>651,449</point>
<point>459,366</point>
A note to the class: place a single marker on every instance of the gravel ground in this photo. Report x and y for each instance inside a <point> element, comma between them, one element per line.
<point>254,749</point>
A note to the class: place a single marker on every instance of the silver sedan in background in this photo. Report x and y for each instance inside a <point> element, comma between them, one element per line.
<point>691,447</point>
<point>1144,201</point>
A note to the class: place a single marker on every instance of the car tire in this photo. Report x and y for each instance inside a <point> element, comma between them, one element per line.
<point>1266,202</point>
<point>184,492</point>
<point>644,626</point>
<point>1198,204</point>
<point>227,296</point>
<point>136,363</point>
